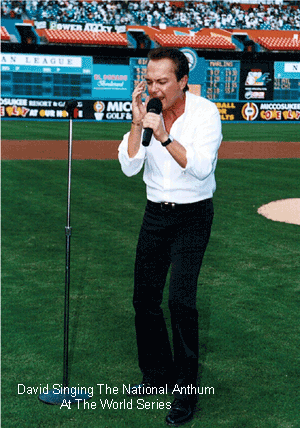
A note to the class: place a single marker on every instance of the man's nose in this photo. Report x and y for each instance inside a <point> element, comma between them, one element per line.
<point>154,88</point>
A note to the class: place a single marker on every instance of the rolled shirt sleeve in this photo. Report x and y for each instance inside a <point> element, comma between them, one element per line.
<point>202,152</point>
<point>130,166</point>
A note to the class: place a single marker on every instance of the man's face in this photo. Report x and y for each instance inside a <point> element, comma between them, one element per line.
<point>162,82</point>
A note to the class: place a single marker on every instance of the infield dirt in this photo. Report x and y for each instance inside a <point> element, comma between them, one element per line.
<point>93,149</point>
<point>90,149</point>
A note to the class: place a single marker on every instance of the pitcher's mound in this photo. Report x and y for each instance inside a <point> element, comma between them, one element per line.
<point>285,210</point>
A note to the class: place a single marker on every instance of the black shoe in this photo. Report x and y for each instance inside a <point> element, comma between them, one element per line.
<point>182,411</point>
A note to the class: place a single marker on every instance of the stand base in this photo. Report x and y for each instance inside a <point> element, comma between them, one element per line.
<point>57,397</point>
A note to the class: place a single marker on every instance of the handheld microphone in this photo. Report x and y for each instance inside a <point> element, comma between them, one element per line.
<point>153,106</point>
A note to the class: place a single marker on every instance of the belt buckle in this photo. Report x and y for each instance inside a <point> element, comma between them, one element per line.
<point>166,206</point>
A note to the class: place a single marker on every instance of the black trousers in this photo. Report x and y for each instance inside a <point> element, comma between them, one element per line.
<point>174,237</point>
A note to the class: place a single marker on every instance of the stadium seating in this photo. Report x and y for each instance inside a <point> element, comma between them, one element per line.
<point>279,43</point>
<point>85,37</point>
<point>4,34</point>
<point>196,42</point>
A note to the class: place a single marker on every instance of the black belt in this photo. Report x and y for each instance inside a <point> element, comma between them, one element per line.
<point>172,206</point>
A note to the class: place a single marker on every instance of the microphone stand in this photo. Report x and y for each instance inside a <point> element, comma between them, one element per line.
<point>65,395</point>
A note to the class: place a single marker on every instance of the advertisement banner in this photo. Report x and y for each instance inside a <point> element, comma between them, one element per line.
<point>111,82</point>
<point>99,110</point>
<point>256,81</point>
<point>259,111</point>
<point>121,110</point>
<point>88,26</point>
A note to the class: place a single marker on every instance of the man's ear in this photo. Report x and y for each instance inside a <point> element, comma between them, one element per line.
<point>183,82</point>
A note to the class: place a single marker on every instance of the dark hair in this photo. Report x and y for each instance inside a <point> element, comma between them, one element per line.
<point>179,59</point>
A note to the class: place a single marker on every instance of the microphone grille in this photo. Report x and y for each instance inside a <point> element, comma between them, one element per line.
<point>155,105</point>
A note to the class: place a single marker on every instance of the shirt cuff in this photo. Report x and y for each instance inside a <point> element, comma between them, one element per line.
<point>190,154</point>
<point>123,149</point>
<point>131,166</point>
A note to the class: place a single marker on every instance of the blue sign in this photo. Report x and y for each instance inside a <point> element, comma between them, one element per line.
<point>111,82</point>
<point>197,66</point>
<point>287,70</point>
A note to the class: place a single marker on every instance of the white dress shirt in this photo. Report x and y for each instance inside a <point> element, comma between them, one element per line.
<point>198,129</point>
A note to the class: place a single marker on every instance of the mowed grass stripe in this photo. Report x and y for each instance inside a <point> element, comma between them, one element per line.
<point>35,130</point>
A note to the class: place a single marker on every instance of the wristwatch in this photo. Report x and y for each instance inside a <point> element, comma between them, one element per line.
<point>169,140</point>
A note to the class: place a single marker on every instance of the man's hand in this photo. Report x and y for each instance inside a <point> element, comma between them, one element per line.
<point>138,113</point>
<point>138,108</point>
<point>154,121</point>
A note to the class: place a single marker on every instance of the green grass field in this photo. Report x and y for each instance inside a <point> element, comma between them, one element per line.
<point>26,130</point>
<point>248,298</point>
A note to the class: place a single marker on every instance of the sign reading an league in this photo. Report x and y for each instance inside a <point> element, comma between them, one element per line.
<point>66,64</point>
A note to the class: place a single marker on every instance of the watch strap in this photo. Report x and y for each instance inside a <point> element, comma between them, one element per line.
<point>169,140</point>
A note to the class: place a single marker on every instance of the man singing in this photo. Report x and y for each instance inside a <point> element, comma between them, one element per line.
<point>179,165</point>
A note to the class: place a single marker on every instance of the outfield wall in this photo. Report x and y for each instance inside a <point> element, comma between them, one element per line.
<point>120,111</point>
<point>36,87</point>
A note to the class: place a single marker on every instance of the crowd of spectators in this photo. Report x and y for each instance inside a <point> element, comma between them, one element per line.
<point>14,9</point>
<point>194,14</point>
